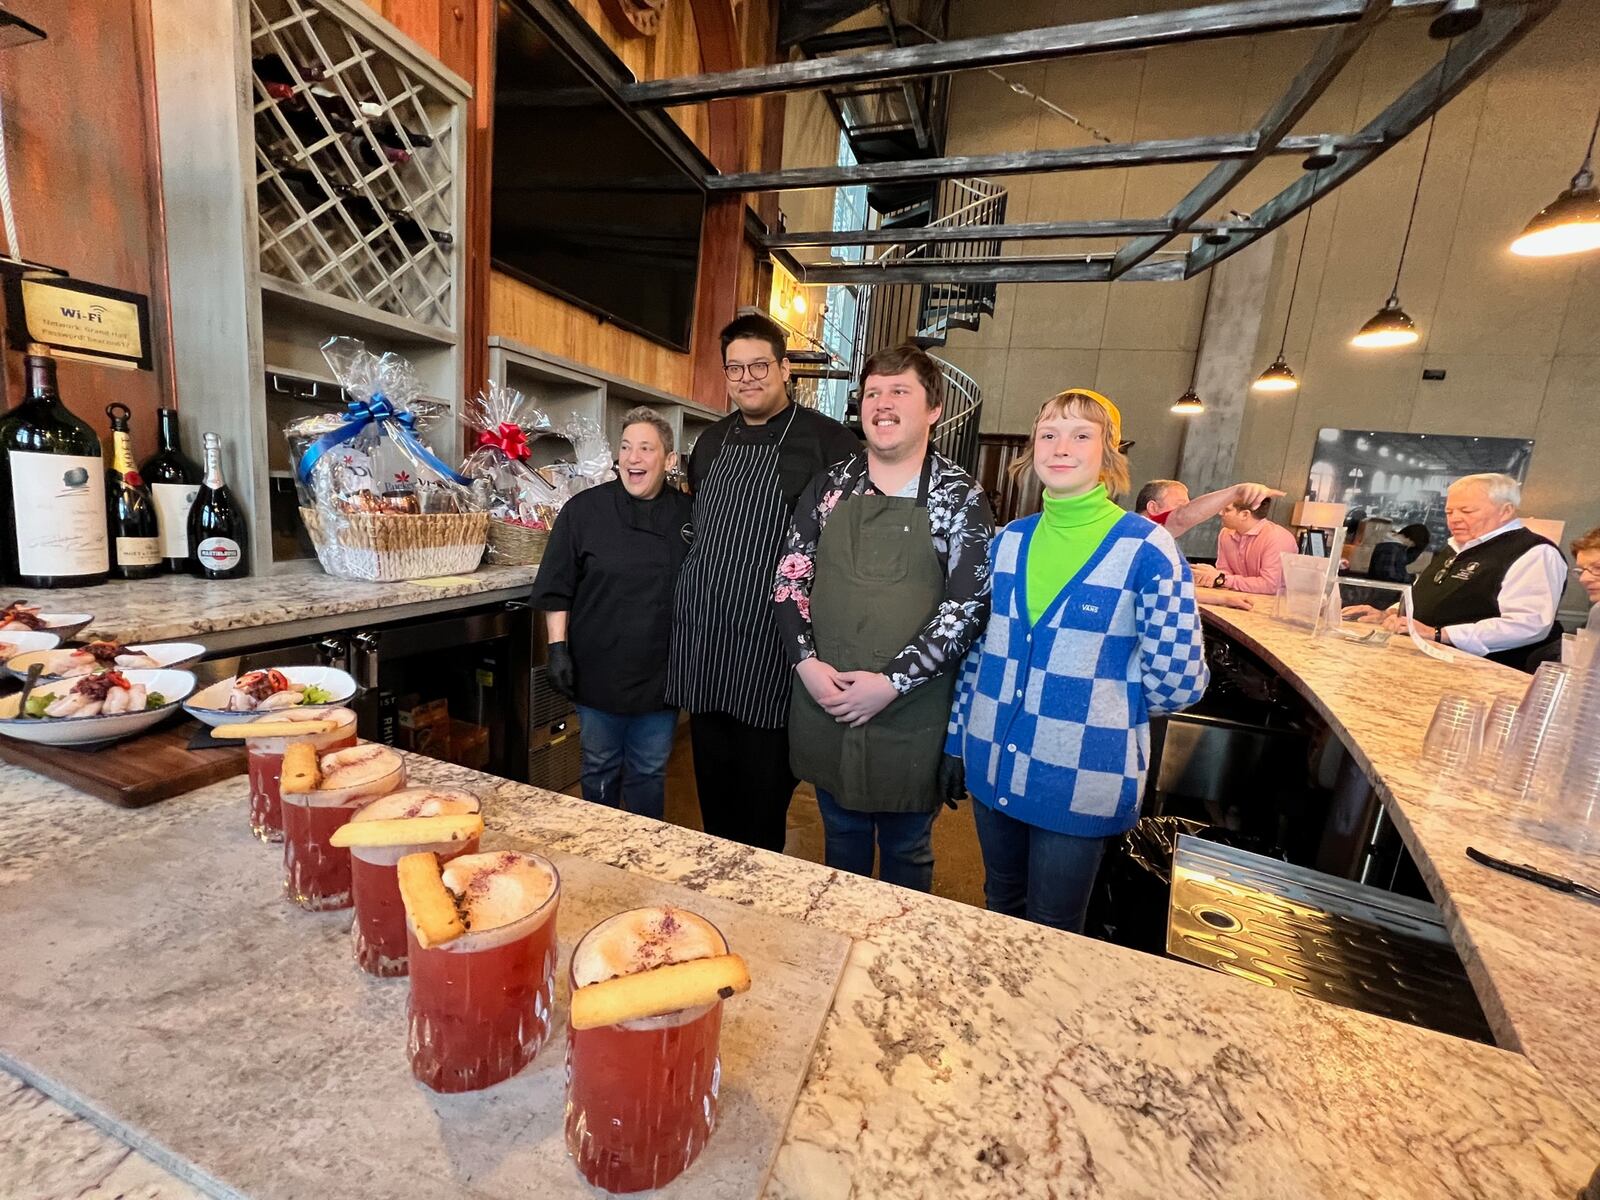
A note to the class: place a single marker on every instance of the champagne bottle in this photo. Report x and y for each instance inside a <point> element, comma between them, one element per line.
<point>219,543</point>
<point>130,511</point>
<point>174,481</point>
<point>53,475</point>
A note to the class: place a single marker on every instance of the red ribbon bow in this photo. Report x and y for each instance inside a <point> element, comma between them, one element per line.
<point>509,439</point>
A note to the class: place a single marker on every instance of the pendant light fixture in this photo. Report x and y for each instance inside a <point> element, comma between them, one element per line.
<point>1189,404</point>
<point>1278,377</point>
<point>1569,224</point>
<point>1391,325</point>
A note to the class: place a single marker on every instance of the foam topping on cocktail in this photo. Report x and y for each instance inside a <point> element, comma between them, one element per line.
<point>642,940</point>
<point>496,889</point>
<point>418,802</point>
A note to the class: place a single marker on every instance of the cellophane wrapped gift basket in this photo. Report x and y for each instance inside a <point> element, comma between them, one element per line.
<point>523,500</point>
<point>378,503</point>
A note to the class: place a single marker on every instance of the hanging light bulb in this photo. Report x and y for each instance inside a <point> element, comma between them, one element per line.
<point>1278,377</point>
<point>1569,224</point>
<point>798,303</point>
<point>1391,325</point>
<point>1189,403</point>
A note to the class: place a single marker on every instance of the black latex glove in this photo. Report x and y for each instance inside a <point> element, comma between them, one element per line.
<point>558,670</point>
<point>952,779</point>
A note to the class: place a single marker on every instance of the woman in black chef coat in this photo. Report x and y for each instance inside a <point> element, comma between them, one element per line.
<point>605,586</point>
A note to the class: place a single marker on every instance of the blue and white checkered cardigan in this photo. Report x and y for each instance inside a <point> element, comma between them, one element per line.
<point>1053,717</point>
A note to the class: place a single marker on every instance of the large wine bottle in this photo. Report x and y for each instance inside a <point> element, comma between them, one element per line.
<point>219,544</point>
<point>130,511</point>
<point>174,481</point>
<point>52,472</point>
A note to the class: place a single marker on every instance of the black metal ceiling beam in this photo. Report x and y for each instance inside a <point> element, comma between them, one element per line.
<point>1027,162</point>
<point>1336,49</point>
<point>1137,32</point>
<point>1469,57</point>
<point>1020,232</point>
<point>1076,269</point>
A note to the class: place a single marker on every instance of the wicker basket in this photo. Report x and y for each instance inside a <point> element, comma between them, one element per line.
<point>513,545</point>
<point>386,547</point>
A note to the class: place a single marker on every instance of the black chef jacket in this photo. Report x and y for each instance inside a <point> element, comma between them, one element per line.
<point>612,564</point>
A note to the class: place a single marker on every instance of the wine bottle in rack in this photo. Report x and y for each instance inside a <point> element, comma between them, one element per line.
<point>174,481</point>
<point>311,189</point>
<point>130,510</point>
<point>219,542</point>
<point>52,474</point>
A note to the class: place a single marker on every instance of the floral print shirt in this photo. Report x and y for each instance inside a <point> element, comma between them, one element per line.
<point>962,525</point>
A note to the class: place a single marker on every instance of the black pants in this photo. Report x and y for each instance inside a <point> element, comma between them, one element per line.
<point>743,778</point>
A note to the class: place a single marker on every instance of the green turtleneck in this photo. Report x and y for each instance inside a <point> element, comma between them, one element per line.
<point>1069,531</point>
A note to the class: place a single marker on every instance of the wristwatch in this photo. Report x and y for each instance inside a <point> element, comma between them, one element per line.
<point>1221,580</point>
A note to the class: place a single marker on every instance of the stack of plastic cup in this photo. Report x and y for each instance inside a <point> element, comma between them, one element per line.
<point>1455,735</point>
<point>1496,733</point>
<point>1570,810</point>
<point>1532,754</point>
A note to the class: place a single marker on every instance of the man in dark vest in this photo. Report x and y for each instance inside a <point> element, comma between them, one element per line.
<point>1494,590</point>
<point>882,589</point>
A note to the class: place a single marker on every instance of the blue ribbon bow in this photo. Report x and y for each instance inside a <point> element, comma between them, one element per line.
<point>401,425</point>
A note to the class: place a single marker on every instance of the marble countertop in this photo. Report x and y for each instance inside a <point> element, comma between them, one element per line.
<point>174,607</point>
<point>1533,954</point>
<point>967,1053</point>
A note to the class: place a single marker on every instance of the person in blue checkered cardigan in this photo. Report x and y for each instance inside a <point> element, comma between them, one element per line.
<point>1094,628</point>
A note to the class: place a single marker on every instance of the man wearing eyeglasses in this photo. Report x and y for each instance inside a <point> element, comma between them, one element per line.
<point>727,665</point>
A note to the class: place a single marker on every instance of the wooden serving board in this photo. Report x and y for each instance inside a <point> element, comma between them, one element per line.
<point>134,773</point>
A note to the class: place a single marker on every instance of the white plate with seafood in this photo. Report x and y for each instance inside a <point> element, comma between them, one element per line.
<point>72,712</point>
<point>25,641</point>
<point>271,690</point>
<point>17,617</point>
<point>70,662</point>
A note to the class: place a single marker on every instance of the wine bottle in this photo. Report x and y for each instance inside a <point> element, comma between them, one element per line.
<point>219,543</point>
<point>130,511</point>
<point>174,481</point>
<point>52,472</point>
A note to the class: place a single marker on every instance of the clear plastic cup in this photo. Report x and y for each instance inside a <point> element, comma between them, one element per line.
<point>1455,735</point>
<point>642,1095</point>
<point>1532,757</point>
<point>1496,733</point>
<point>1570,809</point>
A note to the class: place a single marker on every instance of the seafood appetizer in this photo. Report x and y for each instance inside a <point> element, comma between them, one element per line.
<point>96,656</point>
<point>262,691</point>
<point>20,616</point>
<point>104,694</point>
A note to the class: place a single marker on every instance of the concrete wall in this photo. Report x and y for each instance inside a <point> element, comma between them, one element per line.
<point>1519,338</point>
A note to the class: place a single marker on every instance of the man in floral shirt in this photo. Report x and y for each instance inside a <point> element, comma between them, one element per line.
<point>882,589</point>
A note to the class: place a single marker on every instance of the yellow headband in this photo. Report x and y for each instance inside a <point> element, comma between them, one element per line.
<point>1111,410</point>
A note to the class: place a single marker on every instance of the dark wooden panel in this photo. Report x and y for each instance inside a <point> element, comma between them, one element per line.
<point>134,773</point>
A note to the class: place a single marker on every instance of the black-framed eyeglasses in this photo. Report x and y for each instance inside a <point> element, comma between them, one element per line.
<point>736,372</point>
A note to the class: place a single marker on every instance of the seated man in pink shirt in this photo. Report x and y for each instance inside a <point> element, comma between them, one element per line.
<point>1247,552</point>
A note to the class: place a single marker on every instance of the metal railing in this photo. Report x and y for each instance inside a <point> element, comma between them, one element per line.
<point>956,434</point>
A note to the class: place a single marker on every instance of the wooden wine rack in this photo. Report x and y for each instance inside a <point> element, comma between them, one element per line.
<point>319,193</point>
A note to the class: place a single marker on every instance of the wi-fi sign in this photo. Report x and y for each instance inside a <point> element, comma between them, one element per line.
<point>97,312</point>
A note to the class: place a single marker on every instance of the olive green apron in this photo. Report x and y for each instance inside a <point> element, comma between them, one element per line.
<point>878,581</point>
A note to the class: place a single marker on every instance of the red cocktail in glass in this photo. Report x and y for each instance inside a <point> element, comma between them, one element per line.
<point>642,1095</point>
<point>316,874</point>
<point>265,764</point>
<point>379,931</point>
<point>480,1005</point>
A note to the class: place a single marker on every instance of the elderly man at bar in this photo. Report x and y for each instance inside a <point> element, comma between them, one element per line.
<point>1494,591</point>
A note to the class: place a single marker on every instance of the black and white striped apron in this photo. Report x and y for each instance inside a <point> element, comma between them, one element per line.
<point>727,655</point>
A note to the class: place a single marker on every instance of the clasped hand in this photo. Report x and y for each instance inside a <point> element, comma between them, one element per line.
<point>850,697</point>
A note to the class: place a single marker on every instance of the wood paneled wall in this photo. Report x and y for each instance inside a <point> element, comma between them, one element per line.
<point>80,136</point>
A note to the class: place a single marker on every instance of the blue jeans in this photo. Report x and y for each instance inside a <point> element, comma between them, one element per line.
<point>1034,873</point>
<point>904,843</point>
<point>625,758</point>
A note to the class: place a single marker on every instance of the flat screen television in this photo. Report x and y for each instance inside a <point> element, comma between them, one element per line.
<point>584,203</point>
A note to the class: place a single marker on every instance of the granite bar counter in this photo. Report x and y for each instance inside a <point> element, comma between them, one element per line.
<point>300,601</point>
<point>965,1053</point>
<point>1533,954</point>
